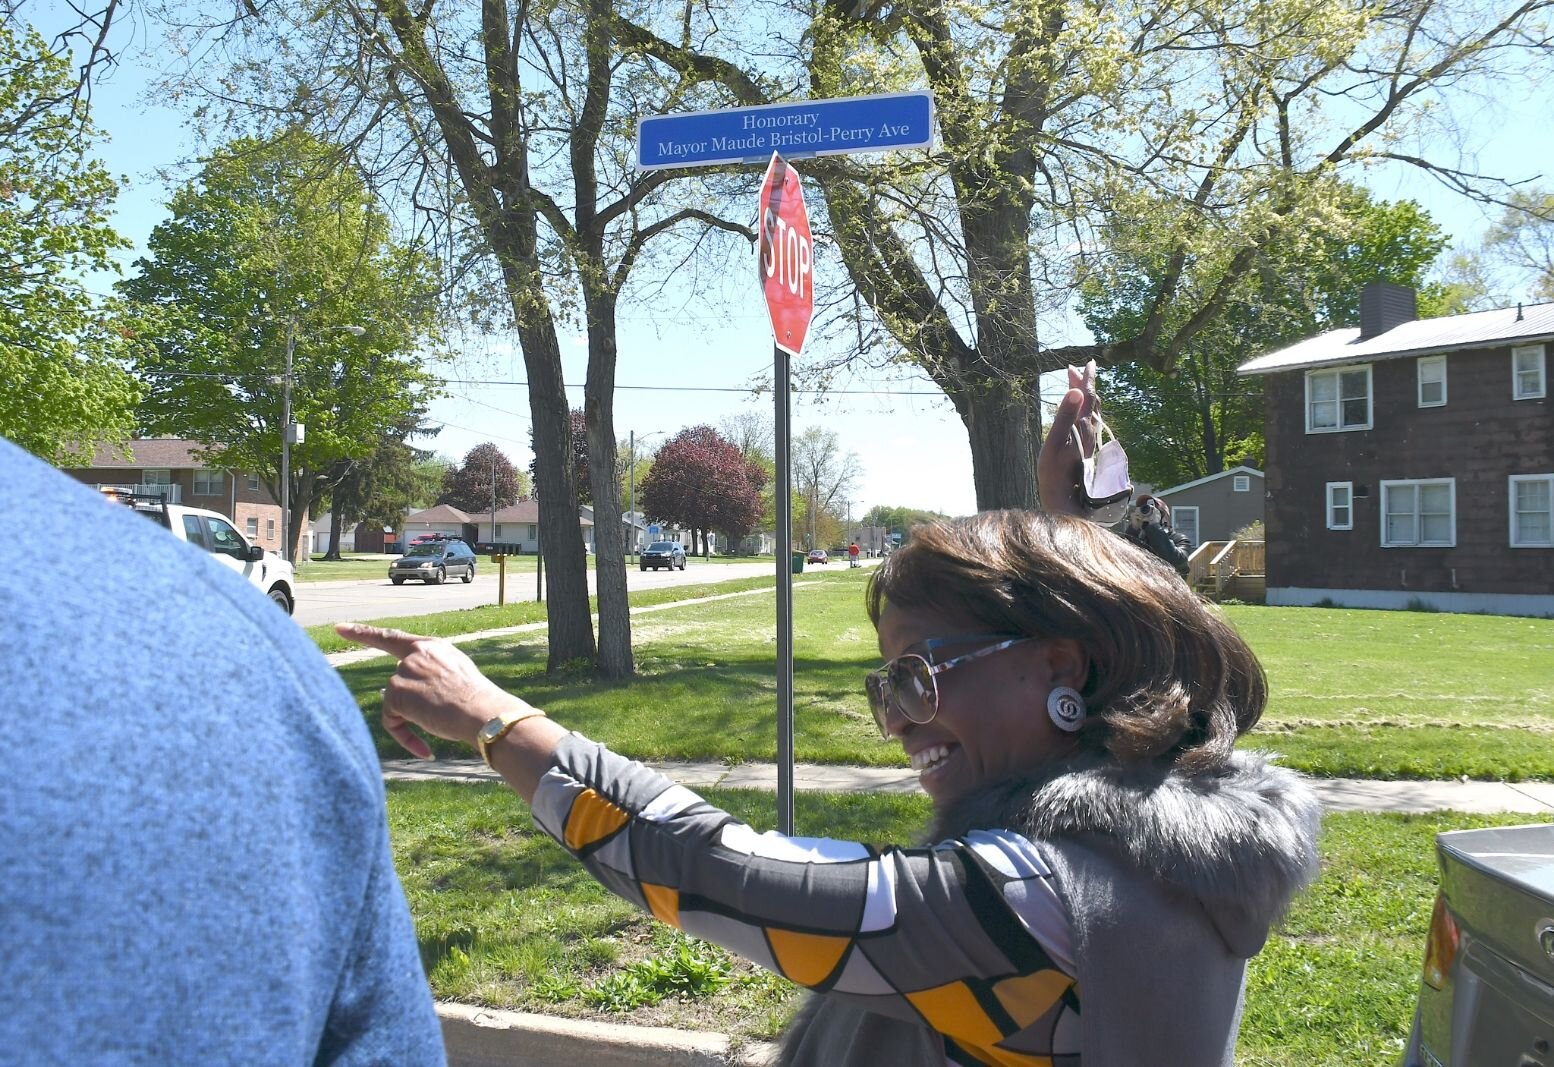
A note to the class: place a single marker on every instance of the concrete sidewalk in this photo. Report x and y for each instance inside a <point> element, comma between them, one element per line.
<point>1338,794</point>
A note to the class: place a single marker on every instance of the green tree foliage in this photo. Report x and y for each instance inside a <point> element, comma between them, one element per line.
<point>426,480</point>
<point>898,520</point>
<point>1202,418</point>
<point>486,479</point>
<point>62,352</point>
<point>378,488</point>
<point>1226,117</point>
<point>273,246</point>
<point>1523,240</point>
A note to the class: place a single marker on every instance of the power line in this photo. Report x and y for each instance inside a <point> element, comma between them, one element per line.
<point>753,391</point>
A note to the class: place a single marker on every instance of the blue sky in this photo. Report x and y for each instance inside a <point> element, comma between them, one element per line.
<point>911,445</point>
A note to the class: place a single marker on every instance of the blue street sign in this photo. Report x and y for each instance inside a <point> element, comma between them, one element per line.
<point>797,130</point>
<point>654,531</point>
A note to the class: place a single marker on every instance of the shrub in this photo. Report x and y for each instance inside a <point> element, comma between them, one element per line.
<point>1420,604</point>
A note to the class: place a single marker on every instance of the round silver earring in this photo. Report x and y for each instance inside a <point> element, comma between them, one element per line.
<point>1066,708</point>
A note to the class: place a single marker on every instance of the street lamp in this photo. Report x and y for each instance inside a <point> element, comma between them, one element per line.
<point>632,477</point>
<point>290,433</point>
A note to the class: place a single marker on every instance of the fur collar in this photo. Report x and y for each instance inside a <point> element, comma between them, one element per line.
<point>1241,839</point>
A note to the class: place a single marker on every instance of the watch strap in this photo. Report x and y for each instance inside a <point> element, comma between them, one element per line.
<point>491,732</point>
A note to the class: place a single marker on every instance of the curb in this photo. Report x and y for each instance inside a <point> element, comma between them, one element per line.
<point>486,1037</point>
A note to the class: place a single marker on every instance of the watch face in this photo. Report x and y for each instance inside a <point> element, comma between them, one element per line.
<point>489,731</point>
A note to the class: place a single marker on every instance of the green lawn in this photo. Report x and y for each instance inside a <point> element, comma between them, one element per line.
<point>1354,693</point>
<point>506,919</point>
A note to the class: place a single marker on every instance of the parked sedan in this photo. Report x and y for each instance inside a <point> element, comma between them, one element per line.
<point>1487,992</point>
<point>433,561</point>
<point>669,554</point>
<point>818,555</point>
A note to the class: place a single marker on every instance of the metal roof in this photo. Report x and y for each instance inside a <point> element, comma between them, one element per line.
<point>1422,337</point>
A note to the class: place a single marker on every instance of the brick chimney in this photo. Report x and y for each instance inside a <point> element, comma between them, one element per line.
<point>1383,306</point>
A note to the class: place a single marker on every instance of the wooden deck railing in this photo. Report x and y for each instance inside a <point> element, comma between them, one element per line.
<point>1215,564</point>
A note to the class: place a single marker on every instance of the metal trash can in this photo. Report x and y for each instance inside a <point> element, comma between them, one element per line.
<point>798,563</point>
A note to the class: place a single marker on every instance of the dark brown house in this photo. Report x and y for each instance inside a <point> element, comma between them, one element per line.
<point>173,469</point>
<point>1413,461</point>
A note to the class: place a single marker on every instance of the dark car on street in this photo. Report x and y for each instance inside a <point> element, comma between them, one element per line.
<point>1487,992</point>
<point>433,562</point>
<point>659,554</point>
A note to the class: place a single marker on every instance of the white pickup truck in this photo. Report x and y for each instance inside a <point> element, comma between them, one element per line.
<point>271,574</point>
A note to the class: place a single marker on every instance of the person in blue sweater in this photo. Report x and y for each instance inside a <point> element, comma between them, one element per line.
<point>193,842</point>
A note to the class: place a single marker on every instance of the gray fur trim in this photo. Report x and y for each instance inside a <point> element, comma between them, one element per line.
<point>1243,836</point>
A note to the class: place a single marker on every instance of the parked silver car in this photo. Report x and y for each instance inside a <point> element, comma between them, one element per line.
<point>433,561</point>
<point>1487,992</point>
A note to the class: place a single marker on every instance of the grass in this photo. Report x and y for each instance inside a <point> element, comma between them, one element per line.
<point>1370,694</point>
<point>491,617</point>
<point>506,919</point>
<point>1405,694</point>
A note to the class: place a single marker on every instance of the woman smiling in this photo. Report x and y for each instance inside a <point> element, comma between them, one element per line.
<point>1102,863</point>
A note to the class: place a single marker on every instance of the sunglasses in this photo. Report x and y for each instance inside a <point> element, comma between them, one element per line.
<point>910,684</point>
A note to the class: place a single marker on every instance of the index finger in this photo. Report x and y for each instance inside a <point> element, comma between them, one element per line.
<point>396,643</point>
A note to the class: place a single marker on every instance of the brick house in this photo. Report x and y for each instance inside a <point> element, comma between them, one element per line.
<point>173,468</point>
<point>1413,460</point>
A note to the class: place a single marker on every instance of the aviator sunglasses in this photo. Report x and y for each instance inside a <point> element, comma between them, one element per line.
<point>910,681</point>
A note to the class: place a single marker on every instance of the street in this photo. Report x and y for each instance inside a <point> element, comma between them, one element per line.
<point>349,601</point>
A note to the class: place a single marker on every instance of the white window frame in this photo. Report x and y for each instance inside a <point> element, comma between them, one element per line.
<point>202,482</point>
<point>1511,484</point>
<point>1348,505</point>
<point>1539,351</point>
<point>1181,510</point>
<point>251,527</point>
<point>1337,373</point>
<point>164,476</point>
<point>1419,373</point>
<point>253,483</point>
<point>533,533</point>
<point>269,529</point>
<point>1416,484</point>
<point>1241,483</point>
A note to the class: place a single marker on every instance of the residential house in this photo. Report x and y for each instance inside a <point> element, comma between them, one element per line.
<point>444,519</point>
<point>871,540</point>
<point>1215,507</point>
<point>631,524</point>
<point>1413,460</point>
<point>519,524</point>
<point>172,468</point>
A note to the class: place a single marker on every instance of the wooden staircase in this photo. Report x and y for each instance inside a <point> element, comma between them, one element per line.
<point>1224,570</point>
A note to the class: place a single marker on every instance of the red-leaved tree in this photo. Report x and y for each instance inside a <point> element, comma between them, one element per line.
<point>702,481</point>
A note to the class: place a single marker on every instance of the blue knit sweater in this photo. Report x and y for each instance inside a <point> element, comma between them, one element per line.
<point>194,859</point>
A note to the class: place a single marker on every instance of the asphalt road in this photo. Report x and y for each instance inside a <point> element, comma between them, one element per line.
<point>349,601</point>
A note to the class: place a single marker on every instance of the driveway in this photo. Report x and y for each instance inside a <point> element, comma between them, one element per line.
<point>353,601</point>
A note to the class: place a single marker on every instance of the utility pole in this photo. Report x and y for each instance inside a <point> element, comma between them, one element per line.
<point>632,507</point>
<point>291,347</point>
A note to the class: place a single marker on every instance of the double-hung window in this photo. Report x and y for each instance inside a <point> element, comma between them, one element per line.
<point>207,482</point>
<point>1340,505</point>
<point>1432,381</point>
<point>1532,511</point>
<point>1338,399</point>
<point>1184,520</point>
<point>251,525</point>
<point>1419,514</point>
<point>1529,377</point>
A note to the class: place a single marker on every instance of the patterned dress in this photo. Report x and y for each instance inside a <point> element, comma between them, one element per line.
<point>968,936</point>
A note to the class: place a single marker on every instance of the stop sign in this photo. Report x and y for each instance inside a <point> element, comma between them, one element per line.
<point>786,262</point>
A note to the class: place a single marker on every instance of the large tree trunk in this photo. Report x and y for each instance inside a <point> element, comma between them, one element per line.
<point>615,656</point>
<point>570,630</point>
<point>336,524</point>
<point>1001,410</point>
<point>304,492</point>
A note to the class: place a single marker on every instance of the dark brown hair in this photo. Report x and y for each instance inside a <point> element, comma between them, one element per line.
<point>1169,679</point>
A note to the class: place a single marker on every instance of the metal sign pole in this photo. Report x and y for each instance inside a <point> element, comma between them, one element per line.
<point>784,494</point>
